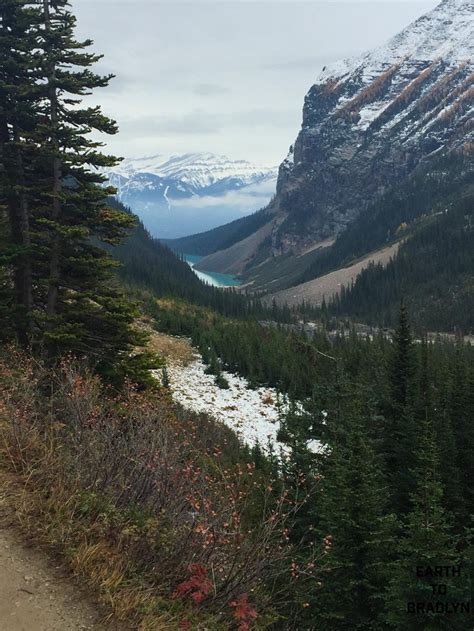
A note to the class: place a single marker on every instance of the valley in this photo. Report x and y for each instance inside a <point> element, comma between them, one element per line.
<point>236,397</point>
<point>371,126</point>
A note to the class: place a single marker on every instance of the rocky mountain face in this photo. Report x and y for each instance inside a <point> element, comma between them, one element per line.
<point>369,123</point>
<point>180,194</point>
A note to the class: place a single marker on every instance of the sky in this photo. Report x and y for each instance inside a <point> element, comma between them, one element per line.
<point>227,77</point>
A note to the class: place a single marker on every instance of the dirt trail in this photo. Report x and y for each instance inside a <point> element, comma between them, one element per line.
<point>36,596</point>
<point>35,593</point>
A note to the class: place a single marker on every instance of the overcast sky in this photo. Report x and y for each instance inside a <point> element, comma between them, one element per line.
<point>222,76</point>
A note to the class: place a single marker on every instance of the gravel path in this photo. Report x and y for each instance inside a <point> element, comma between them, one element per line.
<point>36,596</point>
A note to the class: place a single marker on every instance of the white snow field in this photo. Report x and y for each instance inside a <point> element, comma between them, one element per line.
<point>252,414</point>
<point>444,33</point>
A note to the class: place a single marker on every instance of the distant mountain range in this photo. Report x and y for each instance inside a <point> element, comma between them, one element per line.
<point>370,126</point>
<point>180,194</point>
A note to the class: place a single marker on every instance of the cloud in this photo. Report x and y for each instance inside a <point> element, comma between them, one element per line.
<point>199,122</point>
<point>223,76</point>
<point>245,200</point>
<point>188,124</point>
<point>210,89</point>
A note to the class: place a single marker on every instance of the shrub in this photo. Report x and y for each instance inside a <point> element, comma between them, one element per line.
<point>147,509</point>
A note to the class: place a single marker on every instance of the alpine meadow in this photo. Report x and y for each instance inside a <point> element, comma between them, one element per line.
<point>234,396</point>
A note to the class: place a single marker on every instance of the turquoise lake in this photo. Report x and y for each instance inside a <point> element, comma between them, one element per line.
<point>212,278</point>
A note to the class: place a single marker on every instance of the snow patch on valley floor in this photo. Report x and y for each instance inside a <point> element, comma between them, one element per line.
<point>252,414</point>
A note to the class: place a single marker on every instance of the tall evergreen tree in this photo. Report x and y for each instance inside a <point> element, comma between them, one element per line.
<point>359,533</point>
<point>70,302</point>
<point>461,419</point>
<point>19,98</point>
<point>400,432</point>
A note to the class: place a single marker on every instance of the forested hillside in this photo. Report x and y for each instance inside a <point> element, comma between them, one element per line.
<point>433,271</point>
<point>219,238</point>
<point>390,492</point>
<point>431,218</point>
<point>393,216</point>
<point>148,264</point>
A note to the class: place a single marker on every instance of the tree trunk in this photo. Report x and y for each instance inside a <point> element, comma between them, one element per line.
<point>54,265</point>
<point>24,288</point>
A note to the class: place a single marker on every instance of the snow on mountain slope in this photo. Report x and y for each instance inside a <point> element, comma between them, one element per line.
<point>180,194</point>
<point>445,33</point>
<point>444,37</point>
<point>197,171</point>
<point>410,84</point>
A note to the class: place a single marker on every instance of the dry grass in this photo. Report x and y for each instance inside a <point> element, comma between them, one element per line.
<point>176,350</point>
<point>268,399</point>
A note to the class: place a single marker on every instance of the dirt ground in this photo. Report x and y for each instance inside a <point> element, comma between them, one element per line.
<point>36,593</point>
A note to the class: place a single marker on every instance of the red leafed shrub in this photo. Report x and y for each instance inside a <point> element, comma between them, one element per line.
<point>197,587</point>
<point>244,613</point>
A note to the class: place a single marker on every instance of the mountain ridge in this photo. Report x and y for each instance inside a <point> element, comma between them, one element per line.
<point>198,170</point>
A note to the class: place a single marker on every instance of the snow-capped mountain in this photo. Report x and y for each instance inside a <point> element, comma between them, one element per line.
<point>371,122</point>
<point>180,194</point>
<point>196,171</point>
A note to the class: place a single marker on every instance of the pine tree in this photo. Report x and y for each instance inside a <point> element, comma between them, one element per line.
<point>59,213</point>
<point>402,367</point>
<point>6,290</point>
<point>468,472</point>
<point>19,99</point>
<point>359,532</point>
<point>400,432</point>
<point>427,543</point>
<point>460,418</point>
